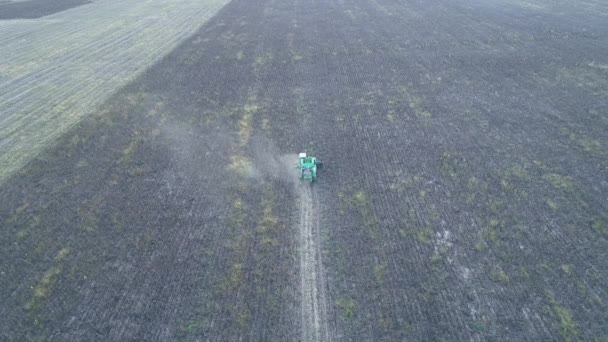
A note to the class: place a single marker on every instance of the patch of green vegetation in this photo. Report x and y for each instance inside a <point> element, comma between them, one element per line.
<point>475,187</point>
<point>347,307</point>
<point>558,181</point>
<point>83,163</point>
<point>137,171</point>
<point>17,214</point>
<point>235,277</point>
<point>251,106</point>
<point>493,223</point>
<point>40,248</point>
<point>360,198</point>
<point>386,323</point>
<point>501,277</point>
<point>104,118</point>
<point>239,164</point>
<point>496,206</point>
<point>62,254</point>
<point>568,328</point>
<point>590,145</point>
<point>480,325</point>
<point>269,242</point>
<point>453,165</point>
<point>599,226</point>
<point>46,282</point>
<point>159,107</point>
<point>243,316</point>
<point>74,141</point>
<point>32,223</point>
<point>129,151</point>
<point>423,236</point>
<point>361,203</point>
<point>296,56</point>
<point>238,213</point>
<point>22,234</point>
<point>43,287</point>
<point>587,143</point>
<point>134,99</point>
<point>265,124</point>
<point>523,273</point>
<point>88,220</point>
<point>491,235</point>
<point>267,221</point>
<point>379,273</point>
<point>412,214</point>
<point>518,171</point>
<point>435,259</point>
<point>598,66</point>
<point>433,214</point>
<point>481,246</point>
<point>245,121</point>
<point>240,241</point>
<point>473,183</point>
<point>191,326</point>
<point>343,202</point>
<point>416,104</point>
<point>340,120</point>
<point>262,60</point>
<point>118,222</point>
<point>155,132</point>
<point>491,232</point>
<point>566,268</point>
<point>505,185</point>
<point>552,204</point>
<point>449,165</point>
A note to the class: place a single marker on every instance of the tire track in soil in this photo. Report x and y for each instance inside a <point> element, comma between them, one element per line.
<point>312,275</point>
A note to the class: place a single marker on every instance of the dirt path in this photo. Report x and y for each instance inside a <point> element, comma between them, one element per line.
<point>312,276</point>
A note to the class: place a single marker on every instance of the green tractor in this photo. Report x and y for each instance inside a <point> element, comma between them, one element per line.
<point>308,167</point>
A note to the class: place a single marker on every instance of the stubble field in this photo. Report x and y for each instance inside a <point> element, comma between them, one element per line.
<point>463,194</point>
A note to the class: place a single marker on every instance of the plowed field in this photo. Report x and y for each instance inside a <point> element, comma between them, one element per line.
<point>148,189</point>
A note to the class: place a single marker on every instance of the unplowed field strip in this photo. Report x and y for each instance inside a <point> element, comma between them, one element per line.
<point>56,69</point>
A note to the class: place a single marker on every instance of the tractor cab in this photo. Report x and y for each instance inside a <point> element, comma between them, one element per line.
<point>308,167</point>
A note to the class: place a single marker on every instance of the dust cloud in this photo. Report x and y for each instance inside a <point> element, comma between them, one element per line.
<point>259,162</point>
<point>269,163</point>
